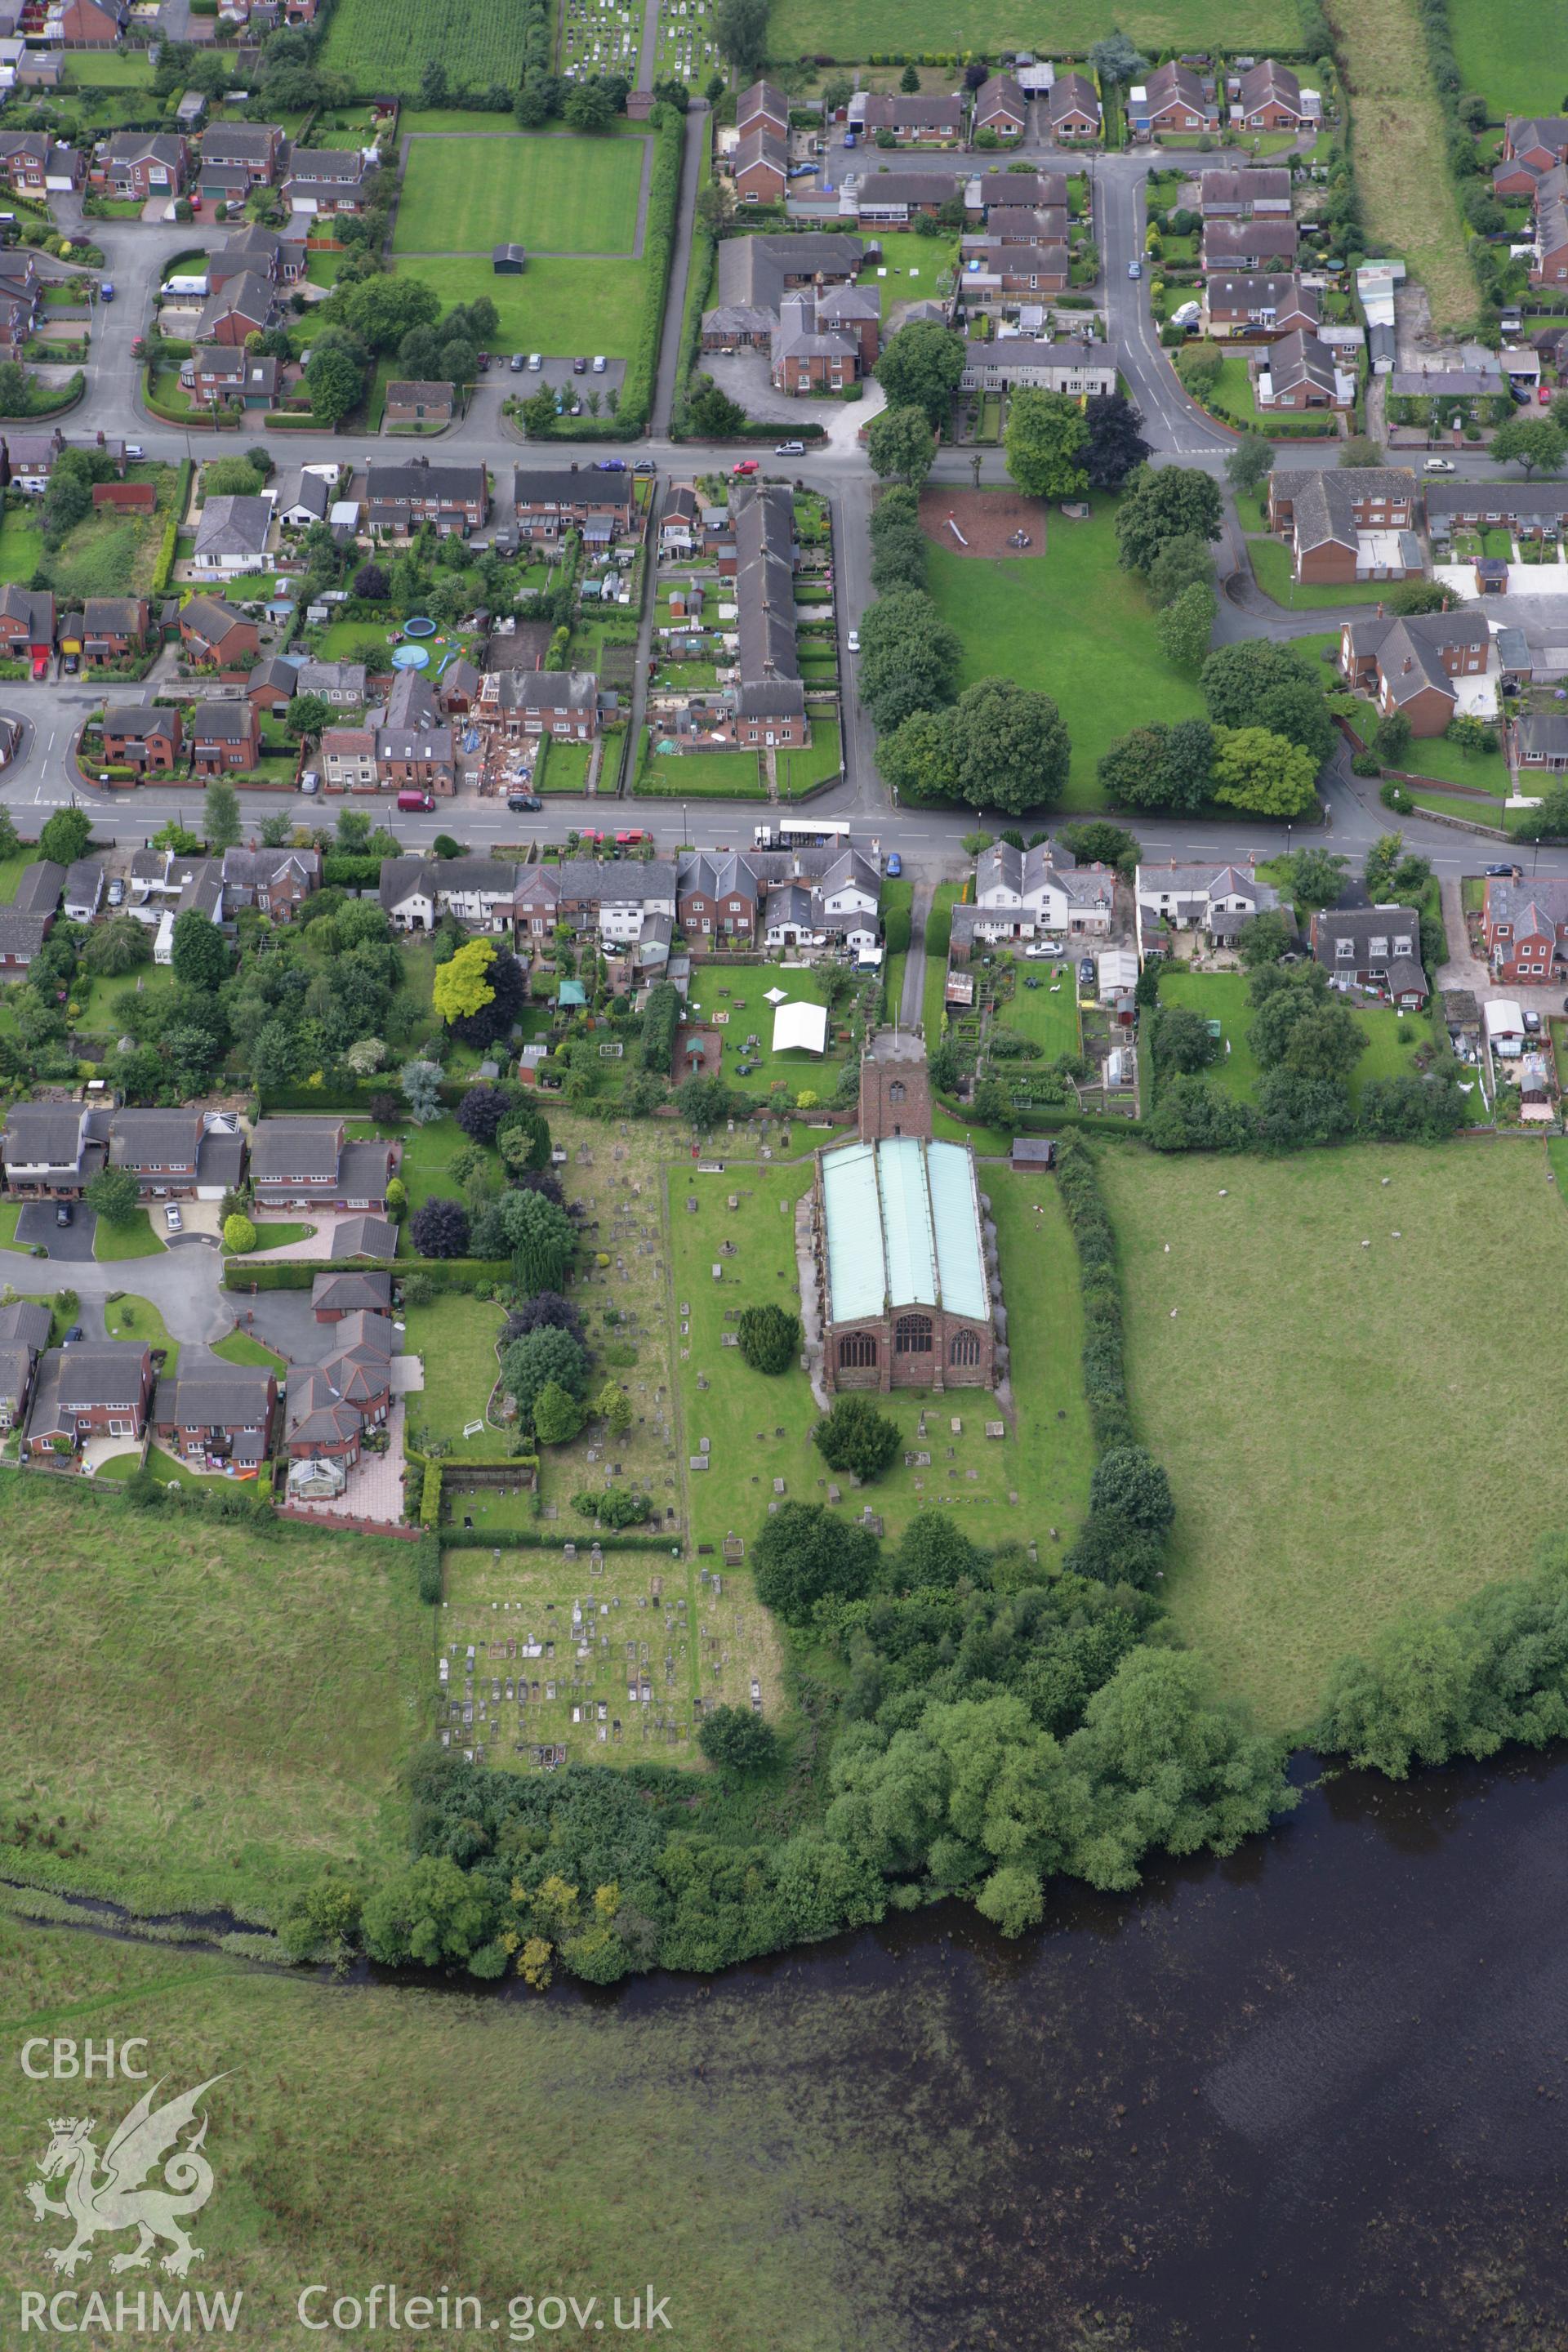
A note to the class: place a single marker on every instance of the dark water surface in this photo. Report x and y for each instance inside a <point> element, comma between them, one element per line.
<point>1312,2099</point>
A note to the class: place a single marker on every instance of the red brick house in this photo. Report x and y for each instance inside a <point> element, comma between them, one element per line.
<point>253,149</point>
<point>276,880</point>
<point>764,107</point>
<point>224,735</point>
<point>212,633</point>
<point>144,164</point>
<point>31,162</point>
<point>1258,307</point>
<point>219,1419</point>
<point>94,1388</point>
<point>113,628</point>
<point>1268,97</point>
<point>325,180</point>
<point>238,308</point>
<point>137,735</point>
<point>1326,514</point>
<point>159,1147</point>
<point>1000,106</point>
<point>399,498</point>
<point>1536,140</point>
<point>26,622</point>
<point>1409,663</point>
<point>912,121</point>
<point>1298,374</point>
<point>1072,108</point>
<point>761,169</point>
<point>717,897</point>
<point>86,23</point>
<point>1524,928</point>
<point>1172,99</point>
<point>548,503</point>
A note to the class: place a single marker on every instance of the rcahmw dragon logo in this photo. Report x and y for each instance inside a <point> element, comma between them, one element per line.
<point>111,2196</point>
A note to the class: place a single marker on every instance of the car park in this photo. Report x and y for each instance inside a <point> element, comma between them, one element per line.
<point>523,803</point>
<point>172,1219</point>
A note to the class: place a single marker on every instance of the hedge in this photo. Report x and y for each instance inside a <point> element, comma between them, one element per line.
<point>298,1274</point>
<point>345,873</point>
<point>699,286</point>
<point>1104,1372</point>
<point>164,569</point>
<point>526,1539</point>
<point>661,1017</point>
<point>430,1496</point>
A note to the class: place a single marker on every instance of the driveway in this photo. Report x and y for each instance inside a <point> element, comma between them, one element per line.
<point>67,1244</point>
<point>282,1319</point>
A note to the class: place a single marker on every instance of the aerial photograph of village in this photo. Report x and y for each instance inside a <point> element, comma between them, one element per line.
<point>783,1174</point>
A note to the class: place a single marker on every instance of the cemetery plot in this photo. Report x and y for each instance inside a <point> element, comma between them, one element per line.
<point>688,50</point>
<point>544,1659</point>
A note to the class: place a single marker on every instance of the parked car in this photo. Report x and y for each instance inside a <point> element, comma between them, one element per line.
<point>310,784</point>
<point>600,364</point>
<point>1037,949</point>
<point>415,800</point>
<point>853,641</point>
<point>1086,971</point>
<point>1439,466</point>
<point>1533,1023</point>
<point>517,363</point>
<point>895,864</point>
<point>644,466</point>
<point>106,291</point>
<point>536,360</point>
<point>789,449</point>
<point>524,804</point>
<point>75,1333</point>
<point>1135,269</point>
<point>744,466</point>
<point>71,664</point>
<point>172,1219</point>
<point>580,367</point>
<point>134,452</point>
<point>117,892</point>
<point>609,465</point>
<point>64,1213</point>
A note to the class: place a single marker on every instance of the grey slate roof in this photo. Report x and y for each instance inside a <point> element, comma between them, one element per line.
<point>364,1236</point>
<point>154,1139</point>
<point>227,1396</point>
<point>39,891</point>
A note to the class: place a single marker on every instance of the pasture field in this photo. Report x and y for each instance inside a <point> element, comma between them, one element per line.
<point>214,1716</point>
<point>384,48</point>
<point>1401,153</point>
<point>1514,54</point>
<point>1341,1424</point>
<point>557,306</point>
<point>553,194</point>
<point>801,28</point>
<point>1073,624</point>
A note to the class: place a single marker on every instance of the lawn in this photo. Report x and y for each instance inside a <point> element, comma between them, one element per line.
<point>455,1337</point>
<point>938,932</point>
<point>1043,1460</point>
<point>914,264</point>
<point>874,27</point>
<point>97,999</point>
<point>1271,560</point>
<point>1219,996</point>
<point>365,641</point>
<point>1445,763</point>
<point>557,306</point>
<point>128,70</point>
<point>380,46</point>
<point>819,764</point>
<point>1047,1012</point>
<point>897,898</point>
<point>21,545</point>
<point>239,1348</point>
<point>1071,621</point>
<point>9,1213</point>
<point>554,193</point>
<point>562,768</point>
<point>1518,56</point>
<point>700,775</point>
<point>801,1070</point>
<point>1390,1465</point>
<point>276,1233</point>
<point>215,1716</point>
<point>131,1317</point>
<point>135,1238</point>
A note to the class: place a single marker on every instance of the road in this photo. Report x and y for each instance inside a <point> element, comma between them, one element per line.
<point>136,253</point>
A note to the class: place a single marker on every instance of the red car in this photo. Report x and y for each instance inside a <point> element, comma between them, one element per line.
<point>746,465</point>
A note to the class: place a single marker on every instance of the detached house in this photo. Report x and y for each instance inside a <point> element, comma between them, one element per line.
<point>1242,196</point>
<point>223,736</point>
<point>1072,108</point>
<point>1347,523</point>
<point>1374,947</point>
<point>52,1151</point>
<point>1261,308</point>
<point>764,107</point>
<point>308,1163</point>
<point>1525,927</point>
<point>141,164</point>
<point>232,535</point>
<point>1412,664</point>
<point>95,1388</point>
<point>26,623</point>
<point>276,880</point>
<point>137,735</point>
<point>325,180</point>
<point>1001,106</point>
<point>1268,97</point>
<point>212,631</point>
<point>250,151</point>
<point>346,1291</point>
<point>160,1149</point>
<point>217,1419</point>
<point>1265,242</point>
<point>761,168</point>
<point>1300,372</point>
<point>24,1335</point>
<point>1172,99</point>
<point>113,629</point>
<point>332,1405</point>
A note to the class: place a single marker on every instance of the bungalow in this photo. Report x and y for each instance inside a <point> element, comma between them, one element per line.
<point>1001,106</point>
<point>1173,99</point>
<point>276,880</point>
<point>549,501</point>
<point>223,736</point>
<point>1241,195</point>
<point>325,180</point>
<point>455,497</point>
<point>761,168</point>
<point>1524,928</point>
<point>232,535</point>
<point>95,1388</point>
<point>1411,664</point>
<point>142,164</point>
<point>1268,97</point>
<point>219,1418</point>
<point>340,683</point>
<point>1041,190</point>
<point>83,892</point>
<point>1264,243</point>
<point>909,119</point>
<point>26,622</point>
<point>139,735</point>
<point>1072,108</point>
<point>1374,947</point>
<point>1541,737</point>
<point>344,1290</point>
<point>887,198</point>
<point>764,107</point>
<point>1347,523</point>
<point>114,629</point>
<point>1000,274</point>
<point>410,403</point>
<point>1300,372</point>
<point>308,1163</point>
<point>52,1149</point>
<point>1259,307</point>
<point>212,632</point>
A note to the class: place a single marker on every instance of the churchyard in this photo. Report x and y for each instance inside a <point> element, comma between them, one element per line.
<point>544,1658</point>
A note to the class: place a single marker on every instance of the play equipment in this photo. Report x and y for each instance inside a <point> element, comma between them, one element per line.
<point>956,532</point>
<point>410,657</point>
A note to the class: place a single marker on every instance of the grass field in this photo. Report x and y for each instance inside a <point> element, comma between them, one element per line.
<point>555,194</point>
<point>381,48</point>
<point>135,1238</point>
<point>1340,1423</point>
<point>214,1715</point>
<point>797,27</point>
<point>1073,624</point>
<point>341,2108</point>
<point>1044,1460</point>
<point>743,995</point>
<point>21,545</point>
<point>557,306</point>
<point>239,1348</point>
<point>1517,55</point>
<point>1401,142</point>
<point>701,775</point>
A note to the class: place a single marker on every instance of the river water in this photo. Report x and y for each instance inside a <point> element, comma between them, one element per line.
<point>1312,2099</point>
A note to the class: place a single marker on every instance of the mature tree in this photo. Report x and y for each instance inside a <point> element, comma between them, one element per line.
<point>1532,442</point>
<point>239,1234</point>
<point>900,445</point>
<point>200,951</point>
<point>1263,773</point>
<point>1417,596</point>
<point>440,1229</point>
<point>462,985</point>
<point>420,1082</point>
<point>1262,684</point>
<point>10,840</point>
<point>1128,1479</point>
<point>1115,59</point>
<point>1011,746</point>
<point>1265,937</point>
<point>898,557</point>
<point>65,837</point>
<point>306,715</point>
<point>1116,442</point>
<point>1314,877</point>
<point>432,1912</point>
<point>770,1338</point>
<point>1163,503</point>
<point>1188,765</point>
<point>854,1436</point>
<point>1047,433</point>
<point>1185,628</point>
<point>1393,873</point>
<point>547,1354</point>
<point>1195,1115</point>
<point>113,1194</point>
<point>1299,1024</point>
<point>334,378</point>
<point>741,28</point>
<point>614,1407</point>
<point>117,947</point>
<point>1161,767</point>
<point>370,582</point>
<point>937,1555</point>
<point>541,1237</point>
<point>220,815</point>
<point>702,1102</point>
<point>919,759</point>
<point>738,1740</point>
<point>910,80</point>
<point>1391,737</point>
<point>714,415</point>
<point>493,1020</point>
<point>909,657</point>
<point>545,1309</point>
<point>1182,562</point>
<point>1249,465</point>
<point>804,1554</point>
<point>232,478</point>
<point>588,107</point>
<point>379,311</point>
<point>921,368</point>
<point>1293,1109</point>
<point>1182,1040</point>
<point>480,1112</point>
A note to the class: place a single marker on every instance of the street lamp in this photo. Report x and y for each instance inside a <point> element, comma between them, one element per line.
<point>683,825</point>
